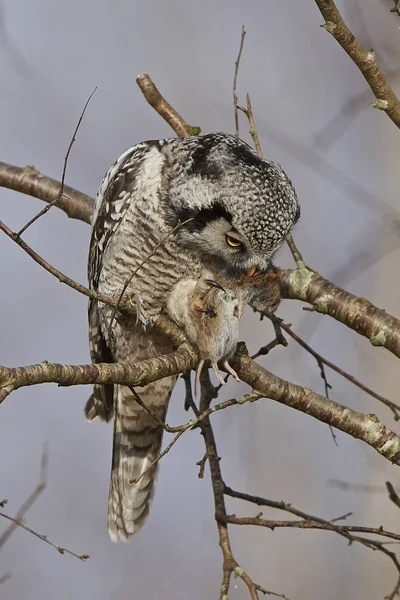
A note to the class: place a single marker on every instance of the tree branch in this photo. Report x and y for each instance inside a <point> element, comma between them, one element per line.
<point>163,107</point>
<point>28,180</point>
<point>357,313</point>
<point>385,98</point>
<point>364,427</point>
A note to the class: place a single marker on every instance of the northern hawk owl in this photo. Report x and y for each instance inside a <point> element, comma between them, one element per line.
<point>165,211</point>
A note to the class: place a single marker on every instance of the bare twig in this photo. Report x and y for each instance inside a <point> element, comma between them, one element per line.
<point>323,361</point>
<point>279,339</point>
<point>17,521</point>
<point>144,261</point>
<point>129,307</point>
<point>29,501</point>
<point>385,98</point>
<point>202,464</point>
<point>311,522</point>
<point>393,494</point>
<point>60,549</point>
<point>164,109</point>
<point>253,131</point>
<point>298,259</point>
<point>159,457</point>
<point>61,190</point>
<point>254,134</point>
<point>235,76</point>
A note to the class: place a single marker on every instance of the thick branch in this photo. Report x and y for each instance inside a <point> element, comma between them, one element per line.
<point>30,181</point>
<point>365,60</point>
<point>364,427</point>
<point>357,313</point>
<point>138,374</point>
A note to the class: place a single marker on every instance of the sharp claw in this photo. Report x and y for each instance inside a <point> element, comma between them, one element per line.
<point>215,284</point>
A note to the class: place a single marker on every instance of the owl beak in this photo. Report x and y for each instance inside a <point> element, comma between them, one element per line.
<point>252,271</point>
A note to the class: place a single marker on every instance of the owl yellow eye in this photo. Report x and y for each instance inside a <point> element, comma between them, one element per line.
<point>233,242</point>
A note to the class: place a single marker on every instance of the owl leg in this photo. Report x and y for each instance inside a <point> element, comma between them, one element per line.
<point>230,370</point>
<point>197,379</point>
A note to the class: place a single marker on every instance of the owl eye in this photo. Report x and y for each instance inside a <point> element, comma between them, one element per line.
<point>233,242</point>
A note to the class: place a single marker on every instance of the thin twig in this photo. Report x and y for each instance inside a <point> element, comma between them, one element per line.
<point>235,98</point>
<point>144,261</point>
<point>312,522</point>
<point>298,259</point>
<point>41,486</point>
<point>202,464</point>
<point>254,134</point>
<point>60,549</point>
<point>323,361</point>
<point>159,457</point>
<point>17,521</point>
<point>61,190</point>
<point>130,307</point>
<point>279,339</point>
<point>392,494</point>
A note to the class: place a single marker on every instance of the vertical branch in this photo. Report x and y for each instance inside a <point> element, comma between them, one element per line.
<point>235,98</point>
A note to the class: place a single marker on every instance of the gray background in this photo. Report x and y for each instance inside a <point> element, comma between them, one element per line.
<point>313,113</point>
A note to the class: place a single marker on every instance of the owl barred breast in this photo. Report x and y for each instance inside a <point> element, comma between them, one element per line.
<point>165,211</point>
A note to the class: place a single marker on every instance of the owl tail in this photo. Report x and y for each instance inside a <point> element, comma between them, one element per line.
<point>137,443</point>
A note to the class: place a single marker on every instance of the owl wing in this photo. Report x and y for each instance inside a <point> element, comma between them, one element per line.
<point>113,199</point>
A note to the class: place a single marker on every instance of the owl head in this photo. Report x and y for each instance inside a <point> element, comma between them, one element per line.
<point>234,208</point>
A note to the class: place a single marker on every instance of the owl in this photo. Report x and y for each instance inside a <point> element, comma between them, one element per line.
<point>165,211</point>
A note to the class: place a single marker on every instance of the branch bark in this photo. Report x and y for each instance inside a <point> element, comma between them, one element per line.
<point>356,313</point>
<point>28,180</point>
<point>363,427</point>
<point>385,98</point>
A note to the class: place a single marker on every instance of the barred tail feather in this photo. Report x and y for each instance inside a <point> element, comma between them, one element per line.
<point>100,404</point>
<point>137,443</point>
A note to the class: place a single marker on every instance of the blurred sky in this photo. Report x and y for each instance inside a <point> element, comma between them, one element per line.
<point>314,116</point>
